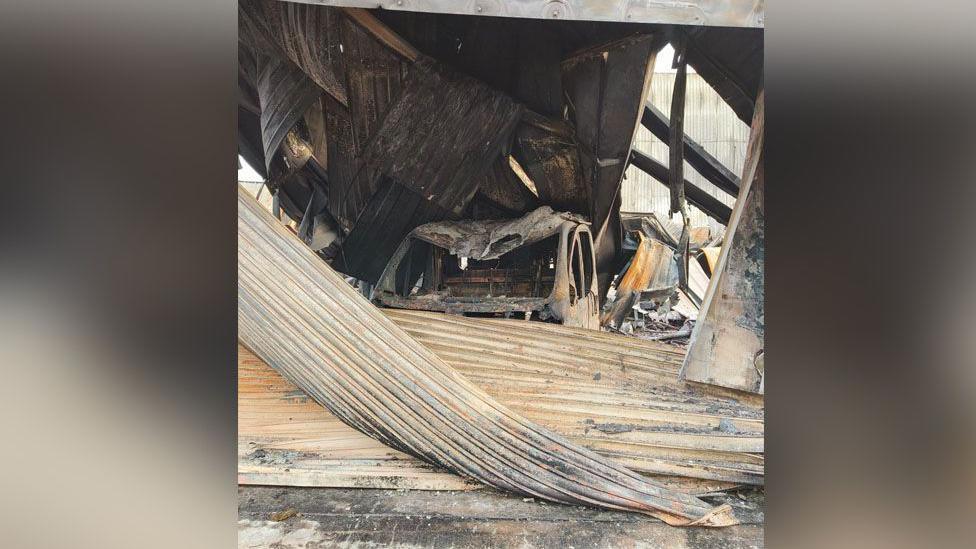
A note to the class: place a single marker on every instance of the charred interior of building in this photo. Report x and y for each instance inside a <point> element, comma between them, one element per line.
<point>369,124</point>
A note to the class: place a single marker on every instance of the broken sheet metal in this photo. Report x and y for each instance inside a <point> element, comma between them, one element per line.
<point>606,87</point>
<point>653,269</point>
<point>711,254</point>
<point>540,264</point>
<point>305,321</point>
<point>619,396</point>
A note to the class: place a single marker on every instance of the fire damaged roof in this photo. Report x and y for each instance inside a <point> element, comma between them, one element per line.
<point>373,123</point>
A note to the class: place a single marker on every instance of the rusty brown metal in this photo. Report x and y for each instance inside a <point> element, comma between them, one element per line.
<point>649,269</point>
<point>306,322</point>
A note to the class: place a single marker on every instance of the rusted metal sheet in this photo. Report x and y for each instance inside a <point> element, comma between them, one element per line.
<point>727,345</point>
<point>651,268</point>
<point>617,395</point>
<point>726,13</point>
<point>304,320</point>
<point>286,438</point>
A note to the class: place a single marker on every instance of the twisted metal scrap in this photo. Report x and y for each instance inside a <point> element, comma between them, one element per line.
<point>305,321</point>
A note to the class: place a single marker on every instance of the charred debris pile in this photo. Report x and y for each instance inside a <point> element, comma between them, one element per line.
<point>472,166</point>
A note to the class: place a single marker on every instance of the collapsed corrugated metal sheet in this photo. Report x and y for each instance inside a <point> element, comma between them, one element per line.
<point>285,438</point>
<point>285,93</point>
<point>307,35</point>
<point>464,127</point>
<point>391,213</point>
<point>617,395</point>
<point>440,136</point>
<point>301,317</point>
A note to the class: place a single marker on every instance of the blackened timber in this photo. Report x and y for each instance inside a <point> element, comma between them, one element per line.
<point>707,165</point>
<point>698,197</point>
<point>391,213</point>
<point>440,137</point>
<point>676,133</point>
<point>606,88</point>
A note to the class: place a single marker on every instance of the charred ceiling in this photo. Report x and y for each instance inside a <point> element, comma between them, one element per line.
<point>369,124</point>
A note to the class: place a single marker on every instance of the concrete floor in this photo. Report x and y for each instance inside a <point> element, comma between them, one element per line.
<point>340,517</point>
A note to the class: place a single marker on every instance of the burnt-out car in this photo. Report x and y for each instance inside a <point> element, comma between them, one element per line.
<point>541,265</point>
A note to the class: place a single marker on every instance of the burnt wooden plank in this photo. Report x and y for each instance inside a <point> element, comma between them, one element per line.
<point>727,344</point>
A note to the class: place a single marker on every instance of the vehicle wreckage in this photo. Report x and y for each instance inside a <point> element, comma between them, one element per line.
<point>540,264</point>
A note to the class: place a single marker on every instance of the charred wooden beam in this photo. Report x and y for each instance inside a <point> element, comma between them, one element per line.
<point>707,165</point>
<point>306,322</point>
<point>698,197</point>
<point>676,133</point>
<point>727,344</point>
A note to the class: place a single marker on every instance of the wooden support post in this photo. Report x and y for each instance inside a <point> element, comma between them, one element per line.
<point>726,346</point>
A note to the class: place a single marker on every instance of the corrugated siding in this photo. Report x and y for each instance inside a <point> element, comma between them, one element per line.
<point>710,122</point>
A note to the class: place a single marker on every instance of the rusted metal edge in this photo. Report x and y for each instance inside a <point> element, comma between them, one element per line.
<point>306,322</point>
<point>728,13</point>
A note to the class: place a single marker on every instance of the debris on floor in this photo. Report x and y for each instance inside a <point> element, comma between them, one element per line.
<point>283,515</point>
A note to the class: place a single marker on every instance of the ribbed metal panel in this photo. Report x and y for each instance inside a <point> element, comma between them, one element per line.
<point>305,321</point>
<point>710,122</point>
